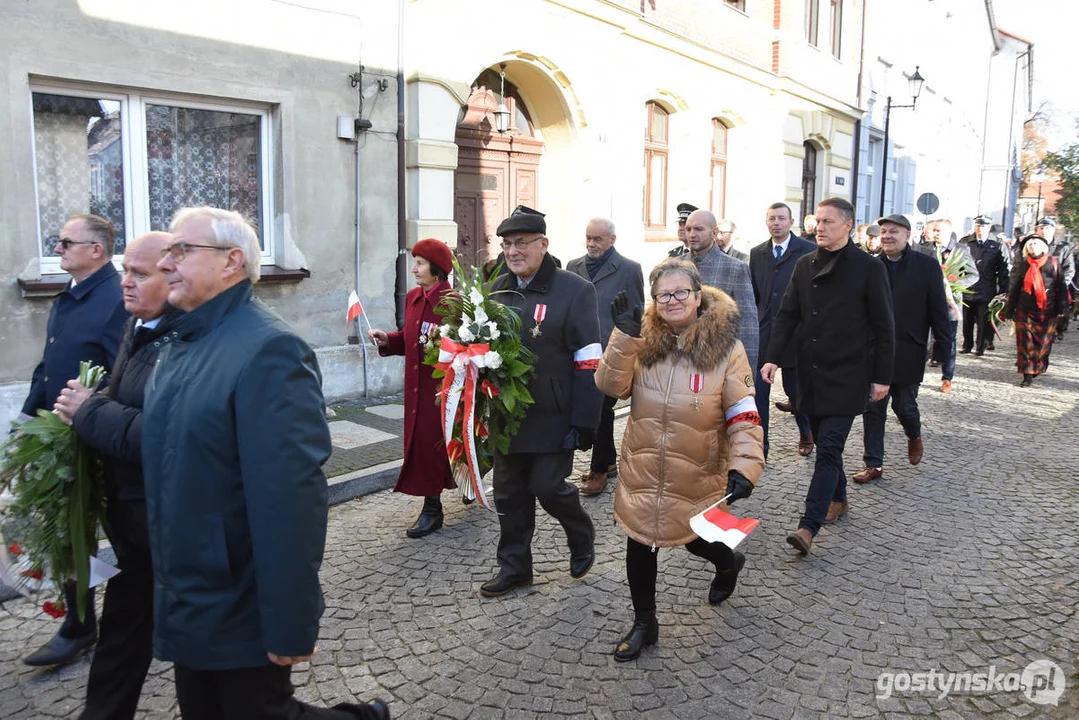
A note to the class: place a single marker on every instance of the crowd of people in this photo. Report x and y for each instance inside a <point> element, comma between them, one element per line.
<point>217,500</point>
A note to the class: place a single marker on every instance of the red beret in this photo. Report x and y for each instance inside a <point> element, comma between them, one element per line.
<point>435,252</point>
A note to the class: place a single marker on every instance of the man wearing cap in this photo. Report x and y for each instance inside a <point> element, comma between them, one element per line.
<point>684,210</point>
<point>872,239</point>
<point>610,273</point>
<point>560,324</point>
<point>918,304</point>
<point>1064,252</point>
<point>991,260</point>
<point>939,244</point>
<point>725,240</point>
<point>770,266</point>
<point>724,273</point>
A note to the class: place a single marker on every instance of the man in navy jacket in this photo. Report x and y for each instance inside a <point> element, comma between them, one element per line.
<point>85,323</point>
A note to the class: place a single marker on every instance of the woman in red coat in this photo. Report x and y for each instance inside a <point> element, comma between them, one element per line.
<point>426,470</point>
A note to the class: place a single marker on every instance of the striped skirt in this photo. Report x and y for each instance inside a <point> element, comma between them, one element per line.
<point>1034,334</point>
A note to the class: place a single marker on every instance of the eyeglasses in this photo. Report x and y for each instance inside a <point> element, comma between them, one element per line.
<point>666,297</point>
<point>520,244</point>
<point>178,251</point>
<point>66,243</point>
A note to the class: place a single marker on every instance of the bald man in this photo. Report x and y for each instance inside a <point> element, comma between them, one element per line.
<point>110,420</point>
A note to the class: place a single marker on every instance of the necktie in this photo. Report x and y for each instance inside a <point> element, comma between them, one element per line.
<point>778,249</point>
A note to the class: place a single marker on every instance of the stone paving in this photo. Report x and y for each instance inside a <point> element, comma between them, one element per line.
<point>962,564</point>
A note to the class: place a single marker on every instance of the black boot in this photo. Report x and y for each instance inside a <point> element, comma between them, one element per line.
<point>724,582</point>
<point>645,631</point>
<point>430,518</point>
<point>1027,380</point>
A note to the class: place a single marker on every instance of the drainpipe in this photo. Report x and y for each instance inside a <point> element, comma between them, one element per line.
<point>401,284</point>
<point>362,126</point>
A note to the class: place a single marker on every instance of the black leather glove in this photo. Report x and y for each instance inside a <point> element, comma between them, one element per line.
<point>738,486</point>
<point>626,318</point>
<point>585,437</point>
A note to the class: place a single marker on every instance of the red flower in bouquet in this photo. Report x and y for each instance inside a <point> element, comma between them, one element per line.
<point>56,610</point>
<point>455,450</point>
<point>489,388</point>
<point>953,278</point>
<point>14,549</point>
<point>481,429</point>
<point>33,574</point>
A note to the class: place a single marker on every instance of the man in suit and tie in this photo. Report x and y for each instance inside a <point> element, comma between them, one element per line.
<point>610,273</point>
<point>770,266</point>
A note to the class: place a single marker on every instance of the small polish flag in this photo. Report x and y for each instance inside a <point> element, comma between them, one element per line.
<point>715,525</point>
<point>354,307</point>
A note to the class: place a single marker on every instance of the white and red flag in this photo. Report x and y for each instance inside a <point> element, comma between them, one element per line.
<point>715,525</point>
<point>354,307</point>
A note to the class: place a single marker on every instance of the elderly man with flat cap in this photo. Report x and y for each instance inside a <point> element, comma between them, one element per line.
<point>991,260</point>
<point>560,324</point>
<point>919,305</point>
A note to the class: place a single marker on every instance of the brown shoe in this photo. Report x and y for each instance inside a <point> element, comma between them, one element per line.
<point>946,386</point>
<point>594,483</point>
<point>868,474</point>
<point>805,445</point>
<point>914,450</point>
<point>801,540</point>
<point>836,510</point>
<point>784,406</point>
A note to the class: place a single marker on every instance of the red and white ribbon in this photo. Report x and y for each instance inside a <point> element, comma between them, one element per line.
<point>696,382</point>
<point>587,358</point>
<point>462,365</point>
<point>539,313</point>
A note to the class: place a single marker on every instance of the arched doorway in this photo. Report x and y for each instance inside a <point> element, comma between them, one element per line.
<point>495,172</point>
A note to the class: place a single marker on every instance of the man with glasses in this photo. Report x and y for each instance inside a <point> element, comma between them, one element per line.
<point>85,323</point>
<point>560,324</point>
<point>725,240</point>
<point>233,441</point>
<point>724,273</point>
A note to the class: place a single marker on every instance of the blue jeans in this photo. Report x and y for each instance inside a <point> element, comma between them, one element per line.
<point>829,483</point>
<point>905,406</point>
<point>764,392</point>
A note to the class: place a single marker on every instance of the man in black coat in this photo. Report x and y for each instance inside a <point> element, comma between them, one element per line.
<point>919,304</point>
<point>560,324</point>
<point>609,272</point>
<point>85,323</point>
<point>1062,249</point>
<point>770,266</point>
<point>839,295</point>
<point>110,421</point>
<point>991,259</point>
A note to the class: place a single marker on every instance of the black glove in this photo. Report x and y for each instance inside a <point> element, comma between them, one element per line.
<point>738,486</point>
<point>585,437</point>
<point>626,318</point>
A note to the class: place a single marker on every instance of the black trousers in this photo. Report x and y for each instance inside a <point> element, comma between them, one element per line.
<point>519,481</point>
<point>258,693</point>
<point>829,482</point>
<point>976,316</point>
<point>642,568</point>
<point>126,629</point>
<point>905,406</point>
<point>603,452</point>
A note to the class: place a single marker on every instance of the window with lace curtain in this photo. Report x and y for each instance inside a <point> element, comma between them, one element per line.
<point>136,159</point>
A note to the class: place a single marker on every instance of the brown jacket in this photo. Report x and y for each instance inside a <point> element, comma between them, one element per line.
<point>675,457</point>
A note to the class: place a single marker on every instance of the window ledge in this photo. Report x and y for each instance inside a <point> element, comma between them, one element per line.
<point>51,285</point>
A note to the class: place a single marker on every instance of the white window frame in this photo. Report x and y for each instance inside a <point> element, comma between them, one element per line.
<point>133,125</point>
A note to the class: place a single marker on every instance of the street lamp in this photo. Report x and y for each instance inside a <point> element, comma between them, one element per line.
<point>915,81</point>
<point>1038,177</point>
<point>502,114</point>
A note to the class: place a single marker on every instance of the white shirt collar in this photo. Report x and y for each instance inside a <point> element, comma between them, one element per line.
<point>149,324</point>
<point>783,245</point>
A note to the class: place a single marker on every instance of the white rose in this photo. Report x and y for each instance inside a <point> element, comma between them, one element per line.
<point>492,360</point>
<point>493,328</point>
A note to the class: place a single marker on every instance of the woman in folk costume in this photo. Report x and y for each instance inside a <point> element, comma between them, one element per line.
<point>693,433</point>
<point>426,469</point>
<point>1036,298</point>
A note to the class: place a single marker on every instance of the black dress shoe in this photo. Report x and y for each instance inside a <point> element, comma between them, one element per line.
<point>380,708</point>
<point>579,566</point>
<point>503,583</point>
<point>61,650</point>
<point>964,351</point>
<point>724,582</point>
<point>645,631</point>
<point>376,708</point>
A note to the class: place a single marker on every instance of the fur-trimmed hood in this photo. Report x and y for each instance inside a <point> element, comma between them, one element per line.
<point>706,342</point>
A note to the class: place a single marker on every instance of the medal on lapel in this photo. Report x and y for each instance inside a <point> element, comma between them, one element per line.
<point>538,315</point>
<point>696,384</point>
<point>425,332</point>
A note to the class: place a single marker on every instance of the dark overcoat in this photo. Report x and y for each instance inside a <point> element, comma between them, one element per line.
<point>1056,292</point>
<point>85,323</point>
<point>618,273</point>
<point>567,352</point>
<point>233,440</point>
<point>426,469</point>
<point>991,259</point>
<point>919,304</point>
<point>842,301</point>
<point>770,278</point>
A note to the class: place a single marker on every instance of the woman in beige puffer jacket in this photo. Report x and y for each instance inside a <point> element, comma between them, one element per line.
<point>693,434</point>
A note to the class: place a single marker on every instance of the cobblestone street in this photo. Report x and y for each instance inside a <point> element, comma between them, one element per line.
<point>964,563</point>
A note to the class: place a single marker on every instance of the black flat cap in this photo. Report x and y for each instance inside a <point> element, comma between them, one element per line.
<point>523,219</point>
<point>896,219</point>
<point>684,209</point>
